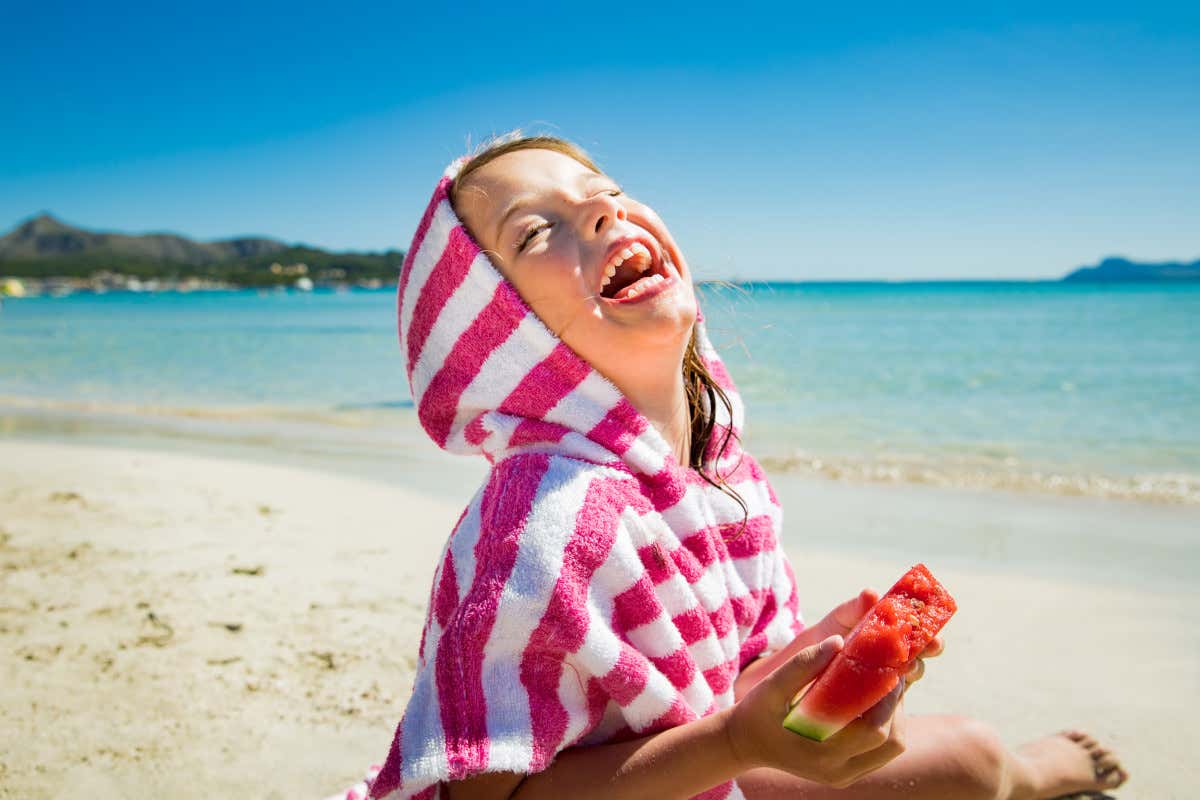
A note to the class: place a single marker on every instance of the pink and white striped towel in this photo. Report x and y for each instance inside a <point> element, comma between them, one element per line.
<point>594,589</point>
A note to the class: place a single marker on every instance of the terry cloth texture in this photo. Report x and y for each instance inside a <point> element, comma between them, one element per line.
<point>594,589</point>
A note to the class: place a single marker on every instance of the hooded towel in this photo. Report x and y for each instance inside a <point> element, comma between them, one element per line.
<point>594,589</point>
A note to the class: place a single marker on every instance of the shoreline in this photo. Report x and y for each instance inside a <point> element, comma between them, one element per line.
<point>1086,539</point>
<point>269,612</point>
<point>1096,540</point>
<point>369,432</point>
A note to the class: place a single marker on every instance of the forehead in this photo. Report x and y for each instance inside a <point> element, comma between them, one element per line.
<point>489,190</point>
<point>494,191</point>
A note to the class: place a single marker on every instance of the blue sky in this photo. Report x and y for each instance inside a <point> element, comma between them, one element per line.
<point>777,143</point>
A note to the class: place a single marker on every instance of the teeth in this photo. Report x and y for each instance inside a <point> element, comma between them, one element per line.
<point>619,258</point>
<point>644,284</point>
<point>610,271</point>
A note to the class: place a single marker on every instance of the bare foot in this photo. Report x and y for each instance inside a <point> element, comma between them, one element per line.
<point>1069,762</point>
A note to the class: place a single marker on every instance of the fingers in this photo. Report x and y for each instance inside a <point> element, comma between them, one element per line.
<point>799,670</point>
<point>879,715</point>
<point>850,612</point>
<point>838,622</point>
<point>934,648</point>
<point>892,747</point>
<point>915,671</point>
<point>873,728</point>
<point>842,619</point>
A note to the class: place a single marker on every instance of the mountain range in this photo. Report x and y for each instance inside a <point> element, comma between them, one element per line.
<point>44,246</point>
<point>45,237</point>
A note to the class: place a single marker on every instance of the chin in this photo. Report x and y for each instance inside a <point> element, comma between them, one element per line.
<point>673,326</point>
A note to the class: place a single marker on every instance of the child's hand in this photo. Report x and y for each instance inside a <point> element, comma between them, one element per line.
<point>758,738</point>
<point>838,622</point>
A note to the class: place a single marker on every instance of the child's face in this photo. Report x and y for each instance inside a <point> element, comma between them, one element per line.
<point>576,216</point>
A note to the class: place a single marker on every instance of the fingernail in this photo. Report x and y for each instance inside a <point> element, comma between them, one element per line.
<point>833,644</point>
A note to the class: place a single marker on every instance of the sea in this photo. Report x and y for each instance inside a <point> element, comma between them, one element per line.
<point>1048,387</point>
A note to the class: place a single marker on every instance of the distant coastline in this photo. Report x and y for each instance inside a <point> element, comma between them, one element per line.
<point>1123,270</point>
<point>46,256</point>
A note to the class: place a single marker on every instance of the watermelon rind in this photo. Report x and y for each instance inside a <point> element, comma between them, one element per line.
<point>809,727</point>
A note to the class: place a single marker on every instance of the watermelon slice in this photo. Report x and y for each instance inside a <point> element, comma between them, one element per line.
<point>880,649</point>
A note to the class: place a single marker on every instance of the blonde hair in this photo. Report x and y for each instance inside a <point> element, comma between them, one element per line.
<point>701,388</point>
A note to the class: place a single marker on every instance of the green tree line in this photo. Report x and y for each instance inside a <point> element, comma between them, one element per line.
<point>249,271</point>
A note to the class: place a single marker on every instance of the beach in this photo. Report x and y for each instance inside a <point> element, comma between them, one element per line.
<point>189,625</point>
<point>282,304</point>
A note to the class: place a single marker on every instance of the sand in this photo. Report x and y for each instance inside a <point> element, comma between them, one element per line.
<point>187,626</point>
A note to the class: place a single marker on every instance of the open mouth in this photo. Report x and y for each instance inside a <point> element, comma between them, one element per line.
<point>634,271</point>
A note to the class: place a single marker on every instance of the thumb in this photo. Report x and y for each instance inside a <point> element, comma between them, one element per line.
<point>799,670</point>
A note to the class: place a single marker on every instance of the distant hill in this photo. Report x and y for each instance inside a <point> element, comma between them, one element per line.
<point>44,237</point>
<point>43,247</point>
<point>1120,269</point>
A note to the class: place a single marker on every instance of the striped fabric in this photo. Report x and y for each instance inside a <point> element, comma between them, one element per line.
<point>594,589</point>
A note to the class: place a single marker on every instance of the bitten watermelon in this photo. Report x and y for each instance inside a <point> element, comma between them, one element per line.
<point>880,649</point>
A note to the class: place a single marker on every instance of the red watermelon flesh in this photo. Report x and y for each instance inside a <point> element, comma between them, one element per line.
<point>880,649</point>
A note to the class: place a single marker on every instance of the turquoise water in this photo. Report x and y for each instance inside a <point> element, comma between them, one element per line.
<point>1042,386</point>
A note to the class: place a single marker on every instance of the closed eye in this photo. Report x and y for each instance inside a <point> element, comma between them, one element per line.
<point>535,230</point>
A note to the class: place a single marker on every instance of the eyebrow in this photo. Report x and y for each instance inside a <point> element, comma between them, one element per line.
<point>520,201</point>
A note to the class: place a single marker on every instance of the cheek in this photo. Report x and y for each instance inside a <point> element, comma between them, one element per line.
<point>645,214</point>
<point>553,285</point>
<point>645,217</point>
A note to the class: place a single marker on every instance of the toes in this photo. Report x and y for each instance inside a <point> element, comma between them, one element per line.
<point>1109,772</point>
<point>1082,739</point>
<point>1114,778</point>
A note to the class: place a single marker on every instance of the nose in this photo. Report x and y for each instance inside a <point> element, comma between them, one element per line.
<point>600,213</point>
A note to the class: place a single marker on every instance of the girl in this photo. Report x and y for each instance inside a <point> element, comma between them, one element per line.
<point>613,615</point>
